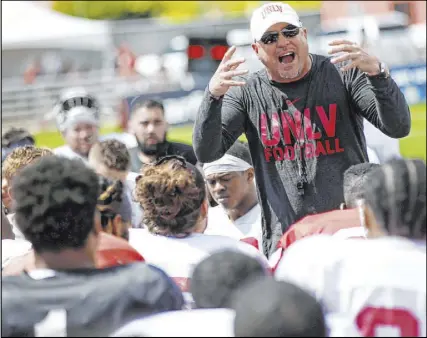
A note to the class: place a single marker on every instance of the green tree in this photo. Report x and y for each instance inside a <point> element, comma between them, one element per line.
<point>305,6</point>
<point>231,8</point>
<point>104,9</point>
<point>178,11</point>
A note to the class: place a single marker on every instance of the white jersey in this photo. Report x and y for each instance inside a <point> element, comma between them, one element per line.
<point>246,227</point>
<point>179,256</point>
<point>11,248</point>
<point>372,156</point>
<point>128,139</point>
<point>18,234</point>
<point>375,287</point>
<point>184,323</point>
<point>66,151</point>
<point>384,146</point>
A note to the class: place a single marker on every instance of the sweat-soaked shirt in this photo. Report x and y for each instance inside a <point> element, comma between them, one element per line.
<point>302,135</point>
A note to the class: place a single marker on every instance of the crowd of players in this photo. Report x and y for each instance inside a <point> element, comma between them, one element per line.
<point>108,237</point>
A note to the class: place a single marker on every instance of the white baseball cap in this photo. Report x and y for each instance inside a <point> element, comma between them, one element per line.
<point>269,14</point>
<point>76,115</point>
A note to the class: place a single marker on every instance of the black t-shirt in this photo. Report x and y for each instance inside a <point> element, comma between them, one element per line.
<point>169,148</point>
<point>93,302</point>
<point>301,134</point>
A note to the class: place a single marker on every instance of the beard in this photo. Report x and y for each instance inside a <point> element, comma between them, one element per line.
<point>152,149</point>
<point>290,74</point>
<point>89,142</point>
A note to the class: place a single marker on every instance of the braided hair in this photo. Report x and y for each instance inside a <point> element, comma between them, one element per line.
<point>396,194</point>
<point>354,178</point>
<point>112,202</point>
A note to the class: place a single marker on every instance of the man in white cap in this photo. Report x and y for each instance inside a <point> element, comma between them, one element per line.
<point>77,115</point>
<point>302,115</point>
<point>77,118</point>
<point>230,181</point>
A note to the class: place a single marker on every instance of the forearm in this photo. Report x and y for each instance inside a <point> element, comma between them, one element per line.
<point>393,116</point>
<point>210,139</point>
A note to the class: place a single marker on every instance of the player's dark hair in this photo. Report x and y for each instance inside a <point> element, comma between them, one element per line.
<point>55,200</point>
<point>396,194</point>
<point>216,278</point>
<point>269,308</point>
<point>240,150</point>
<point>16,135</point>
<point>139,103</point>
<point>113,154</point>
<point>171,193</point>
<point>354,179</point>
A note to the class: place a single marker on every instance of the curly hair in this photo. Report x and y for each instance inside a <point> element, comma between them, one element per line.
<point>396,194</point>
<point>171,194</point>
<point>54,202</point>
<point>112,153</point>
<point>20,158</point>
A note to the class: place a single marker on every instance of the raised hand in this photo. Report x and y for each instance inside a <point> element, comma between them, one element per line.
<point>222,80</point>
<point>357,55</point>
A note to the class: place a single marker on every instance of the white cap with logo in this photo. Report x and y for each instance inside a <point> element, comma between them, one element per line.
<point>269,14</point>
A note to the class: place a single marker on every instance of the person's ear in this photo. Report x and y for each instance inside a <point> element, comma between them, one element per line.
<point>370,223</point>
<point>255,47</point>
<point>97,228</point>
<point>117,225</point>
<point>204,213</point>
<point>304,32</point>
<point>9,193</point>
<point>204,208</point>
<point>250,174</point>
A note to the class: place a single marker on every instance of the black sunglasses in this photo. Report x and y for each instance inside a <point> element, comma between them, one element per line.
<point>288,32</point>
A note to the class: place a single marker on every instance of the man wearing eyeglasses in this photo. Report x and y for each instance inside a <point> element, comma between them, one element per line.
<point>302,115</point>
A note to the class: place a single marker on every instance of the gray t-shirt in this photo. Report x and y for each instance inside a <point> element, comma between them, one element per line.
<point>322,114</point>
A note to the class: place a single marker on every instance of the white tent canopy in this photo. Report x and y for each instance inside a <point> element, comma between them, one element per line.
<point>28,25</point>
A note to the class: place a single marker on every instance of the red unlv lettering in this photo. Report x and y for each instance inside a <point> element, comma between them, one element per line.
<point>271,9</point>
<point>310,150</point>
<point>293,125</point>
